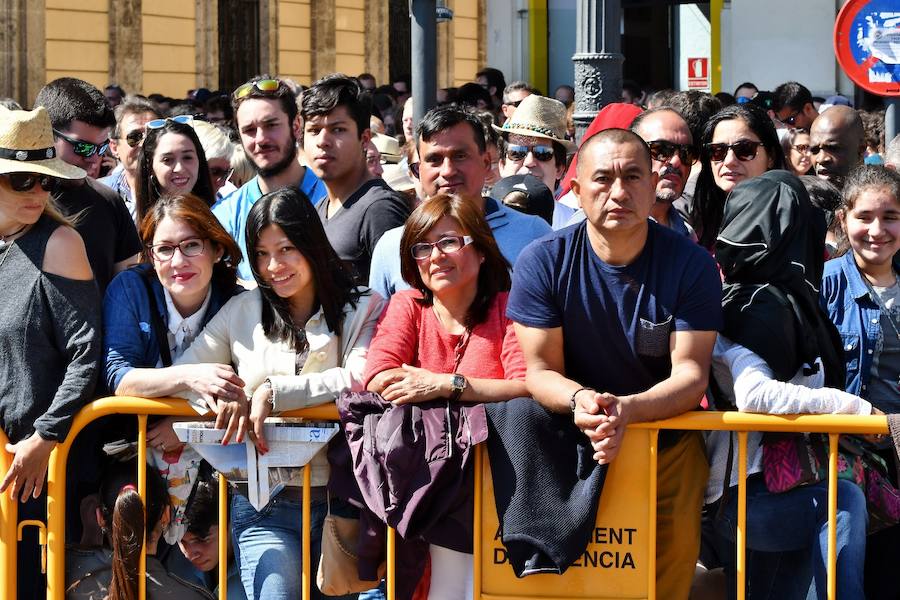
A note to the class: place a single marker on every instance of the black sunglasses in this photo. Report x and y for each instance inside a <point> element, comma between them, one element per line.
<point>134,137</point>
<point>663,151</point>
<point>24,182</point>
<point>414,169</point>
<point>82,148</point>
<point>744,150</point>
<point>518,152</point>
<point>791,120</point>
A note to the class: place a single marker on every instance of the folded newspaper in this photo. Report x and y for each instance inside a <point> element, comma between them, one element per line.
<point>292,444</point>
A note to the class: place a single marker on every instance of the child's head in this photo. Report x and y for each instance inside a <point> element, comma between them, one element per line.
<point>200,543</point>
<point>121,512</point>
<point>870,214</point>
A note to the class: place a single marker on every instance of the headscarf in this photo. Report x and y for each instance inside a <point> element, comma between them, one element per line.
<point>617,115</point>
<point>771,249</point>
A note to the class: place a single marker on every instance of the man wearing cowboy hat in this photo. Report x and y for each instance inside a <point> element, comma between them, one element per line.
<point>81,121</point>
<point>533,142</point>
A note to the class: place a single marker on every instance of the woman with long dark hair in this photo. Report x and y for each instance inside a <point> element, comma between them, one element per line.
<point>739,142</point>
<point>299,339</point>
<point>111,571</point>
<point>172,162</point>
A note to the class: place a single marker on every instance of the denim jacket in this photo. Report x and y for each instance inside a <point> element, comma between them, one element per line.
<point>128,338</point>
<point>845,296</point>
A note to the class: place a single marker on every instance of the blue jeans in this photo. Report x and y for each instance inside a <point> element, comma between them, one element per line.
<point>268,549</point>
<point>787,541</point>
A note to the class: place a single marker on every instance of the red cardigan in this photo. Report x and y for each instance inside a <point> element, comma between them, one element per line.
<point>409,333</point>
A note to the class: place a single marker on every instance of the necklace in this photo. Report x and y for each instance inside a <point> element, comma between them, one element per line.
<point>3,238</point>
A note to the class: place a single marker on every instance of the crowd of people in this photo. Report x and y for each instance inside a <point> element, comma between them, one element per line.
<point>473,277</point>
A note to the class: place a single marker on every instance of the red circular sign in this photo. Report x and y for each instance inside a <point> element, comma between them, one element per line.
<point>867,44</point>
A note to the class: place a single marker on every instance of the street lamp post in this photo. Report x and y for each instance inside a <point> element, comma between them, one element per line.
<point>598,59</point>
<point>424,56</point>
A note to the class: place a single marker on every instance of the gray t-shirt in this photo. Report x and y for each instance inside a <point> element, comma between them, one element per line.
<point>358,225</point>
<point>884,389</point>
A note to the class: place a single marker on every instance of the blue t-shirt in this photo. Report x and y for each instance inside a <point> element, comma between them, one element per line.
<point>232,211</point>
<point>616,320</point>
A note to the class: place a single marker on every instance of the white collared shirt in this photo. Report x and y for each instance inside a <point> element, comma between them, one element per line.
<point>183,330</point>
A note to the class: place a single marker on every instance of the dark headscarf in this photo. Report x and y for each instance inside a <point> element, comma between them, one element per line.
<point>771,250</point>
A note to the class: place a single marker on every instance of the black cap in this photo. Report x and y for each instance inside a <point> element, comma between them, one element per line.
<point>538,198</point>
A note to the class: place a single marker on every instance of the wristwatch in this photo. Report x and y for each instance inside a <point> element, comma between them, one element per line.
<point>458,384</point>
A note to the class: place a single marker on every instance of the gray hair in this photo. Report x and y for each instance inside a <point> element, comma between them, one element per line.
<point>892,153</point>
<point>214,140</point>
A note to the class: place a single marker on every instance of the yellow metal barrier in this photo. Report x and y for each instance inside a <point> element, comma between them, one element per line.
<point>629,505</point>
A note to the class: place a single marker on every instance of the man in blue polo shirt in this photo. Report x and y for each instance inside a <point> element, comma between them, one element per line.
<point>266,116</point>
<point>617,317</point>
<point>453,159</point>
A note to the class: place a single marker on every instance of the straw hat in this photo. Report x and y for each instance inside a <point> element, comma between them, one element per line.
<point>26,145</point>
<point>539,117</point>
<point>388,147</point>
<point>397,178</point>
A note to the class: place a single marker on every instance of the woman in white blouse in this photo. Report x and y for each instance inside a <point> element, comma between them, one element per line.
<point>298,340</point>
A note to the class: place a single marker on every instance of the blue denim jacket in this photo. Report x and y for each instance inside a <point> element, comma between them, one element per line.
<point>128,338</point>
<point>857,317</point>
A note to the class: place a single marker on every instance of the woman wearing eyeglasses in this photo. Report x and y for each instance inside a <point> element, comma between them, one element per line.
<point>299,339</point>
<point>172,162</point>
<point>448,338</point>
<point>152,313</point>
<point>49,318</point>
<point>738,143</point>
<point>798,158</point>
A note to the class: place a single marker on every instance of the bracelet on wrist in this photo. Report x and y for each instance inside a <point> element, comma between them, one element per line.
<point>572,404</point>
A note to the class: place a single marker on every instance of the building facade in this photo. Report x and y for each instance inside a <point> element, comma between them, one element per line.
<point>172,46</point>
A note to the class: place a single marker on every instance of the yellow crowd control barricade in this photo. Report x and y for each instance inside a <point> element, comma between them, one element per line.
<point>618,563</point>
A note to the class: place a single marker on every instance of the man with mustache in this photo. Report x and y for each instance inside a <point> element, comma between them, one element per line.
<point>266,116</point>
<point>672,153</point>
<point>837,142</point>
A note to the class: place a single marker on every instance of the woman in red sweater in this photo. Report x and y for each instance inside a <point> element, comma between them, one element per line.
<point>449,336</point>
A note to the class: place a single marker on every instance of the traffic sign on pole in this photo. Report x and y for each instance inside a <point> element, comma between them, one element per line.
<point>867,44</point>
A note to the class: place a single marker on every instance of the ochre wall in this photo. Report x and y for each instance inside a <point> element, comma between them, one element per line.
<point>78,42</point>
<point>77,38</point>
<point>169,30</point>
<point>294,47</point>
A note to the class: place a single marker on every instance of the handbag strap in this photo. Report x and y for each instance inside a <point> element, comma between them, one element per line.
<point>162,333</point>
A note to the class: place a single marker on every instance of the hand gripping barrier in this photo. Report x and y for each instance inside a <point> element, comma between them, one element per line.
<point>619,522</point>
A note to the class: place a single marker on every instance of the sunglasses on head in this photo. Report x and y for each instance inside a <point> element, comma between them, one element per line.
<point>663,151</point>
<point>82,148</point>
<point>518,152</point>
<point>266,86</point>
<point>744,150</point>
<point>24,182</point>
<point>160,123</point>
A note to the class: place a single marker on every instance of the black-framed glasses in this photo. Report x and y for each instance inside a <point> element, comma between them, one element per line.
<point>134,137</point>
<point>663,151</point>
<point>160,123</point>
<point>792,119</point>
<point>744,150</point>
<point>82,148</point>
<point>266,86</point>
<point>190,247</point>
<point>449,244</point>
<point>25,182</point>
<point>514,104</point>
<point>518,152</point>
